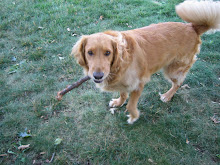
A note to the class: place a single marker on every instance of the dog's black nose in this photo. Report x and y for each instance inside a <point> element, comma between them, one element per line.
<point>98,75</point>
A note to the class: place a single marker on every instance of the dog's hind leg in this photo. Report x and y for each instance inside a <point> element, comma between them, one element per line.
<point>119,101</point>
<point>169,94</point>
<point>175,73</point>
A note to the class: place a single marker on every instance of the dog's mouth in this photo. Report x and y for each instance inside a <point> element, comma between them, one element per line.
<point>98,77</point>
<point>97,81</point>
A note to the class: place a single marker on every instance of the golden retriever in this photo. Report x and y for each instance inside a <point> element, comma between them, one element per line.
<point>124,61</point>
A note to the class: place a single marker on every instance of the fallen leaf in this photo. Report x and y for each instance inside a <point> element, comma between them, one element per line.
<point>58,141</point>
<point>215,102</point>
<point>11,152</point>
<point>214,119</point>
<point>128,25</point>
<point>185,86</point>
<point>150,160</point>
<point>22,147</point>
<point>40,27</point>
<point>3,155</point>
<point>13,48</point>
<point>187,141</point>
<point>13,59</point>
<point>25,134</point>
<point>101,17</point>
<point>42,153</point>
<point>157,3</point>
<point>74,34</point>
<point>14,68</point>
<point>61,58</point>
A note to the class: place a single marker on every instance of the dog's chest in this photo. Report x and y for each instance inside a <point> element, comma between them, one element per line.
<point>128,82</point>
<point>131,80</point>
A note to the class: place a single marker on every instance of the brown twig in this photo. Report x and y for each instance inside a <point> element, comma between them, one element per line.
<point>70,87</point>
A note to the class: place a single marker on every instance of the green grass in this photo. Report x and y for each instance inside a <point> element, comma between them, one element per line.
<point>35,33</point>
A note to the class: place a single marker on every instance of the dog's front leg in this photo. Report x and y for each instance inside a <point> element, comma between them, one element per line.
<point>119,101</point>
<point>132,104</point>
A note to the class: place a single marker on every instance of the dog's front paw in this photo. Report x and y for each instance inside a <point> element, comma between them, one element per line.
<point>131,119</point>
<point>115,103</point>
<point>164,97</point>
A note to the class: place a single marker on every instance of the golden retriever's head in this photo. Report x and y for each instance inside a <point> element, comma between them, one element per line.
<point>97,54</point>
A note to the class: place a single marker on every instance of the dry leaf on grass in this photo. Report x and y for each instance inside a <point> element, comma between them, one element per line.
<point>74,34</point>
<point>157,3</point>
<point>151,161</point>
<point>101,17</point>
<point>58,141</point>
<point>128,25</point>
<point>61,58</point>
<point>2,155</point>
<point>215,102</point>
<point>187,141</point>
<point>185,86</point>
<point>214,119</point>
<point>22,147</point>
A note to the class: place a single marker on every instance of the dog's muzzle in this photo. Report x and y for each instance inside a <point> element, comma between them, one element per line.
<point>98,77</point>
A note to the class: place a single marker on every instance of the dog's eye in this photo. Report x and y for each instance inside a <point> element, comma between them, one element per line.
<point>90,53</point>
<point>107,53</point>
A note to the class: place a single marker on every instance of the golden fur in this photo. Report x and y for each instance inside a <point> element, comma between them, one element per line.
<point>124,61</point>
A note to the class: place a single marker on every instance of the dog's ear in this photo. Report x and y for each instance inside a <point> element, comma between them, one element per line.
<point>115,65</point>
<point>123,49</point>
<point>78,51</point>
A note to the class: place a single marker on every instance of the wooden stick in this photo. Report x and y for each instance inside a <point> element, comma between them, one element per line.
<point>70,87</point>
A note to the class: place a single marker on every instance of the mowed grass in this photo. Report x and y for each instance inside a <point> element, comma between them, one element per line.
<point>35,63</point>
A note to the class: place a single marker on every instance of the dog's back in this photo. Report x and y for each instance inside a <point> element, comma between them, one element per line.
<point>161,43</point>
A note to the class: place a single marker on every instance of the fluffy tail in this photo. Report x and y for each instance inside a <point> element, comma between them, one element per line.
<point>204,14</point>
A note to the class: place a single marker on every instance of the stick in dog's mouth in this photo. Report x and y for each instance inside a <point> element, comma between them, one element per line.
<point>70,87</point>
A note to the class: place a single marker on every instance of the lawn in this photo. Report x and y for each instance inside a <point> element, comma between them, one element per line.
<point>36,37</point>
